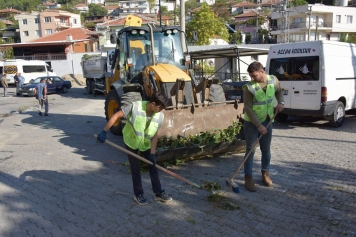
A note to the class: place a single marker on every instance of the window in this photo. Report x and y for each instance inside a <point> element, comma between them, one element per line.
<point>24,21</point>
<point>338,18</point>
<point>296,69</point>
<point>25,33</point>
<point>47,19</point>
<point>34,69</point>
<point>37,32</point>
<point>348,19</point>
<point>48,31</point>
<point>75,21</point>
<point>37,20</point>
<point>63,20</point>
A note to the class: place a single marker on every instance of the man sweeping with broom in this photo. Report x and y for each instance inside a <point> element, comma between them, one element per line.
<point>140,135</point>
<point>259,105</point>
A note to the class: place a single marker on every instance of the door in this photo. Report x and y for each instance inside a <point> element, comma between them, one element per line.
<point>57,84</point>
<point>305,90</point>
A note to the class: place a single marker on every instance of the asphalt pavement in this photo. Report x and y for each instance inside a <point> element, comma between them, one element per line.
<point>55,180</point>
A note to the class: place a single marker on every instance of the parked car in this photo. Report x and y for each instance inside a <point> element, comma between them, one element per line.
<point>233,90</point>
<point>55,84</point>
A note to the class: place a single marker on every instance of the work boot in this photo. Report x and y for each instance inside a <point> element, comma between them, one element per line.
<point>266,179</point>
<point>249,184</point>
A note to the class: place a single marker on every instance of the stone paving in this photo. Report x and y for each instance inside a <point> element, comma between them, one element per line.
<point>55,180</point>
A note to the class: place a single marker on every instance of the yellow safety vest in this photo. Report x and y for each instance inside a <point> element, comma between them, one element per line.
<point>262,103</point>
<point>136,135</point>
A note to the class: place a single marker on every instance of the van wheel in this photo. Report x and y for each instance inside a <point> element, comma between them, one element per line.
<point>338,116</point>
<point>88,87</point>
<point>281,118</point>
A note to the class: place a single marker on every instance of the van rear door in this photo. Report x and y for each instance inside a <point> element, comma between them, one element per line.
<point>297,68</point>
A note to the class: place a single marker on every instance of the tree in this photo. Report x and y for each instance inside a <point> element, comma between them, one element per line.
<point>295,3</point>
<point>348,37</point>
<point>97,10</point>
<point>221,9</point>
<point>191,5</point>
<point>206,25</point>
<point>16,22</point>
<point>151,4</point>
<point>235,38</point>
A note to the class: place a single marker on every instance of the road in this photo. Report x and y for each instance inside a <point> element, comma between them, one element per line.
<point>55,180</point>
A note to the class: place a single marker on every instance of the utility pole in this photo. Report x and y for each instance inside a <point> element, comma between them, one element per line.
<point>309,13</point>
<point>285,22</point>
<point>316,27</point>
<point>160,13</point>
<point>182,24</point>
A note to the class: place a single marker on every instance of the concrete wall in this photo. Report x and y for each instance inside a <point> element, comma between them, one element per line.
<point>69,66</point>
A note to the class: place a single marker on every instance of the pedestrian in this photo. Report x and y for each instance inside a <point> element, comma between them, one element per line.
<point>16,78</point>
<point>140,136</point>
<point>259,96</point>
<point>4,84</point>
<point>21,81</point>
<point>41,95</point>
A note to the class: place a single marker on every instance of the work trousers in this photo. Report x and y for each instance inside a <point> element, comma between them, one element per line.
<point>18,86</point>
<point>136,174</point>
<point>5,89</point>
<point>252,134</point>
<point>40,104</point>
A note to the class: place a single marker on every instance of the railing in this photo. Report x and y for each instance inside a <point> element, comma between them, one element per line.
<point>44,57</point>
<point>303,24</point>
<point>222,76</point>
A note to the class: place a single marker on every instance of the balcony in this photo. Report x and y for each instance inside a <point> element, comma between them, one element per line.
<point>63,25</point>
<point>303,24</point>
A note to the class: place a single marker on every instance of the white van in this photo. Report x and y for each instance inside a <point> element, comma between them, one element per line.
<point>30,70</point>
<point>318,78</point>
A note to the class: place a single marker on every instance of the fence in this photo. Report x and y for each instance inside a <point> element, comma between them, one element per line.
<point>44,57</point>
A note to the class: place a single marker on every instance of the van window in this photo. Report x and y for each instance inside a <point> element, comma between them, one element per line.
<point>295,69</point>
<point>34,69</point>
<point>1,70</point>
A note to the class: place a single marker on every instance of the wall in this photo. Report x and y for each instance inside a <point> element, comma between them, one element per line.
<point>69,66</point>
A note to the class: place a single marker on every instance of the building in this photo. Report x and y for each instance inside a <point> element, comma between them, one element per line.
<point>81,7</point>
<point>50,5</point>
<point>243,7</point>
<point>324,22</point>
<point>35,25</point>
<point>247,28</point>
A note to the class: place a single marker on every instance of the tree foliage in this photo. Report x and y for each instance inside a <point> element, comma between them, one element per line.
<point>206,24</point>
<point>151,5</point>
<point>348,37</point>
<point>22,5</point>
<point>295,3</point>
<point>235,38</point>
<point>221,9</point>
<point>97,10</point>
<point>191,5</point>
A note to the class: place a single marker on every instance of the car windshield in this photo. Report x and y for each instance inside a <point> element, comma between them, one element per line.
<point>37,80</point>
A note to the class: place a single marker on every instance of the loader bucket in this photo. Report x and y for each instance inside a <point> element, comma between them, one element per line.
<point>194,120</point>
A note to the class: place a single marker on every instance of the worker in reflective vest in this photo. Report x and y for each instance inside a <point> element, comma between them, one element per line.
<point>259,96</point>
<point>143,119</point>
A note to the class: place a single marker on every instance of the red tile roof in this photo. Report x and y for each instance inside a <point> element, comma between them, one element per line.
<point>247,14</point>
<point>10,10</point>
<point>111,7</point>
<point>76,33</point>
<point>81,5</point>
<point>270,2</point>
<point>7,22</point>
<point>245,4</point>
<point>166,18</point>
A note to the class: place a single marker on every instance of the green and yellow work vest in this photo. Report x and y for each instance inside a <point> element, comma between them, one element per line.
<point>262,103</point>
<point>136,134</point>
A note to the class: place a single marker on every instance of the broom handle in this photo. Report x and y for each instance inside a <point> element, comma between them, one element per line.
<point>149,162</point>
<point>253,148</point>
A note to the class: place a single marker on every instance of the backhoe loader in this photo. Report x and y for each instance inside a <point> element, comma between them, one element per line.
<point>149,59</point>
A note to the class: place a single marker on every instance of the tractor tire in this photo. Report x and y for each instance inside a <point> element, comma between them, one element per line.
<point>88,83</point>
<point>114,103</point>
<point>216,94</point>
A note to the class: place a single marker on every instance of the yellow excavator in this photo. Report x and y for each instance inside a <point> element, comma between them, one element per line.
<point>149,59</point>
